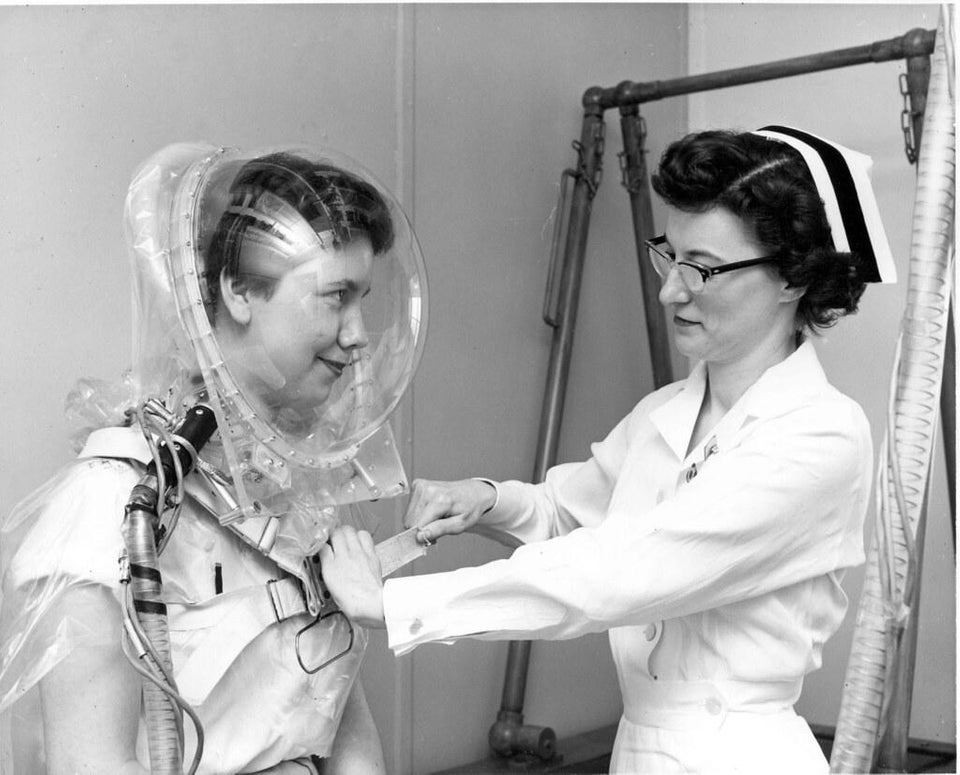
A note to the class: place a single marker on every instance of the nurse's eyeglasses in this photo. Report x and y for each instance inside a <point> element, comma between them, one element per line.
<point>694,275</point>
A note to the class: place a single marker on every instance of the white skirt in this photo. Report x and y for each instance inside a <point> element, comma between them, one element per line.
<point>744,742</point>
<point>713,727</point>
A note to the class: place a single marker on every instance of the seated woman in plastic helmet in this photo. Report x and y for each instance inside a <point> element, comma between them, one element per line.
<point>284,293</point>
<point>710,530</point>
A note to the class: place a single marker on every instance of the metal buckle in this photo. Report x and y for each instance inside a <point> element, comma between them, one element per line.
<point>275,600</point>
<point>314,590</point>
<point>331,660</point>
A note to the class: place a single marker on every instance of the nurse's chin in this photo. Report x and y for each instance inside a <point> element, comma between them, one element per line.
<point>689,347</point>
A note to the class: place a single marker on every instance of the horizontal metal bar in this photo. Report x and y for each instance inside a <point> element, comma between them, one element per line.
<point>916,42</point>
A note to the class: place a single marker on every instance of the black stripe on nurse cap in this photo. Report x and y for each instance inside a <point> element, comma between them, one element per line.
<point>843,182</point>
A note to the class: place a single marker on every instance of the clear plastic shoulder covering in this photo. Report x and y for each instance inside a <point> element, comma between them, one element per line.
<point>43,557</point>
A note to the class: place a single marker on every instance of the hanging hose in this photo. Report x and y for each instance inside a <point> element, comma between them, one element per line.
<point>878,681</point>
<point>146,632</point>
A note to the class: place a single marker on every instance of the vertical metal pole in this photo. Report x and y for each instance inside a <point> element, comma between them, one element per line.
<point>508,731</point>
<point>589,171</point>
<point>638,186</point>
<point>914,83</point>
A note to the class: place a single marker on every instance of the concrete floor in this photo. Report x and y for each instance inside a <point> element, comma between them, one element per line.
<point>589,754</point>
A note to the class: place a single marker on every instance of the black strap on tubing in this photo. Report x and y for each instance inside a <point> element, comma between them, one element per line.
<point>140,532</point>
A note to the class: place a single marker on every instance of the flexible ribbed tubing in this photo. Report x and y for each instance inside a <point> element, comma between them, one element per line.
<point>163,731</point>
<point>894,561</point>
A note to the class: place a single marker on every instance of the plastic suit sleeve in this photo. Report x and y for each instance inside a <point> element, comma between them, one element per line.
<point>785,505</point>
<point>48,548</point>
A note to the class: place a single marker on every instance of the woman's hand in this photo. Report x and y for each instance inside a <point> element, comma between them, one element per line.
<point>447,508</point>
<point>351,572</point>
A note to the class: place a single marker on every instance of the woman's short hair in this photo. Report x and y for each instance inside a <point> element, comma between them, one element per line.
<point>328,199</point>
<point>768,185</point>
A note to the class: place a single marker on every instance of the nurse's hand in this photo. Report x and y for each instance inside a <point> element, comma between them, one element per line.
<point>351,572</point>
<point>447,508</point>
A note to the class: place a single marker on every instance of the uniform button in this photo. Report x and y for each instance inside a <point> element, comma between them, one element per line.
<point>713,706</point>
<point>650,632</point>
<point>416,626</point>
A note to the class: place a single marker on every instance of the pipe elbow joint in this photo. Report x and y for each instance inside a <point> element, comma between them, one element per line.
<point>508,737</point>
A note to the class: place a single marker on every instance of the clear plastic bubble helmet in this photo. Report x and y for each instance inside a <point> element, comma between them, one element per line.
<point>286,289</point>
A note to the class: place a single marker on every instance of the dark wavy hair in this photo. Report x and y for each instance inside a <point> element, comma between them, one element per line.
<point>321,193</point>
<point>767,184</point>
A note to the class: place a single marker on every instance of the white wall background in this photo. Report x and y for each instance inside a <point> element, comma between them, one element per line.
<point>468,113</point>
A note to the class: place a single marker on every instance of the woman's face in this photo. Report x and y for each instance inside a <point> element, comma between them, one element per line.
<point>738,312</point>
<point>298,342</point>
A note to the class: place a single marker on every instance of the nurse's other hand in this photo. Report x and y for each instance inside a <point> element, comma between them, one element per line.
<point>447,508</point>
<point>351,572</point>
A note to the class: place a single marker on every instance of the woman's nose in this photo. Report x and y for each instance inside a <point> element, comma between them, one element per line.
<point>673,290</point>
<point>353,333</point>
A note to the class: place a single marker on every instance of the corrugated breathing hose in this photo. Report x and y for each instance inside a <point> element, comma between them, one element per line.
<point>147,636</point>
<point>891,586</point>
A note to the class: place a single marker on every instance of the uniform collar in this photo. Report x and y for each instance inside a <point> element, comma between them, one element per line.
<point>781,388</point>
<point>116,442</point>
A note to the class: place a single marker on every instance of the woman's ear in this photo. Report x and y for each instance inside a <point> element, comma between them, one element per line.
<point>236,298</point>
<point>791,293</point>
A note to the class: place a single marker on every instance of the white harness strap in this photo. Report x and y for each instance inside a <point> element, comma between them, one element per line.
<point>238,617</point>
<point>393,553</point>
<point>241,615</point>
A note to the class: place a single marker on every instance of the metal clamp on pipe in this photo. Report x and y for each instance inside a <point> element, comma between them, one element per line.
<point>509,736</point>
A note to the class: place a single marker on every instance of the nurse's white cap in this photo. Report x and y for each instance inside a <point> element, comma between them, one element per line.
<point>842,178</point>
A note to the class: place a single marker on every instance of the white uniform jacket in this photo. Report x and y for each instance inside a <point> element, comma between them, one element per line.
<point>244,650</point>
<point>717,573</point>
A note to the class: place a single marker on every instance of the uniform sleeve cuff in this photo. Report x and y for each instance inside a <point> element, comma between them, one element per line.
<point>496,490</point>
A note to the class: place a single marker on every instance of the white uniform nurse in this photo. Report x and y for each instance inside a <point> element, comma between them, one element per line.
<point>710,530</point>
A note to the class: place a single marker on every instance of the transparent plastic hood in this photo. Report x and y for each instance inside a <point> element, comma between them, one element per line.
<point>286,288</point>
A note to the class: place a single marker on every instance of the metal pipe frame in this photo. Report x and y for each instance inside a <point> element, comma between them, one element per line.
<point>916,42</point>
<point>641,210</point>
<point>627,95</point>
<point>508,735</point>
